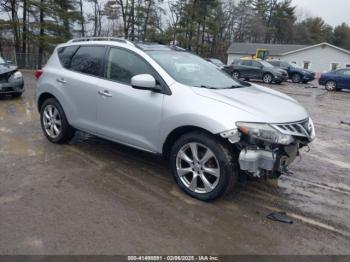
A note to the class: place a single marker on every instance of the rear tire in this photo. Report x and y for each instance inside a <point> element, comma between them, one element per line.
<point>207,174</point>
<point>331,86</point>
<point>54,122</point>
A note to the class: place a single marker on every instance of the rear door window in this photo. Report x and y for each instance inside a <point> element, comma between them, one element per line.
<point>89,60</point>
<point>66,53</point>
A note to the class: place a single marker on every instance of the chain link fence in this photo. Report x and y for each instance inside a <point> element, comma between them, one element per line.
<point>25,60</point>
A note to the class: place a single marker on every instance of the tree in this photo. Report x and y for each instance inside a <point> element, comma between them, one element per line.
<point>282,22</point>
<point>313,31</point>
<point>342,36</point>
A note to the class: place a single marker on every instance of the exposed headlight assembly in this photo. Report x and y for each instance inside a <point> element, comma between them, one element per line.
<point>264,132</point>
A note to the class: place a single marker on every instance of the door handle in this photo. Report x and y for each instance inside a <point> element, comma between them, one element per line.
<point>61,80</point>
<point>104,93</point>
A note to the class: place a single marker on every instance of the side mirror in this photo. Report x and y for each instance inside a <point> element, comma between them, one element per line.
<point>144,82</point>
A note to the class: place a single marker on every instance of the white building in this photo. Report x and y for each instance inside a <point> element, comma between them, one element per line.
<point>319,58</point>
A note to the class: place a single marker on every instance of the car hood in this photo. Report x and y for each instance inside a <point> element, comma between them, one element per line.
<point>7,68</point>
<point>260,103</point>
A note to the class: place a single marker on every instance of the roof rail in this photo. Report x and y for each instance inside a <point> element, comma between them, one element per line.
<point>98,38</point>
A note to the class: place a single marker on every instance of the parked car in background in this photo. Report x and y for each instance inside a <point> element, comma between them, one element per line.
<point>296,74</point>
<point>11,80</point>
<point>167,101</point>
<point>336,80</point>
<point>258,69</point>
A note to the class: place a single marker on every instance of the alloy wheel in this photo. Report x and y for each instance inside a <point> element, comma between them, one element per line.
<point>331,86</point>
<point>267,79</point>
<point>198,168</point>
<point>52,121</point>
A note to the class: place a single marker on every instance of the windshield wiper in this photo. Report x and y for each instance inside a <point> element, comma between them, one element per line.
<point>233,86</point>
<point>208,87</point>
<point>218,88</point>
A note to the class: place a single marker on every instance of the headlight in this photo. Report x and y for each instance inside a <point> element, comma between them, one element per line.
<point>311,129</point>
<point>17,75</point>
<point>264,132</point>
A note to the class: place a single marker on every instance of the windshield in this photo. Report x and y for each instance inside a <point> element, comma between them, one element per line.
<point>266,64</point>
<point>191,70</point>
<point>2,61</point>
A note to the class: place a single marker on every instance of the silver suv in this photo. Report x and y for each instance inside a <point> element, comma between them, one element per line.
<point>164,100</point>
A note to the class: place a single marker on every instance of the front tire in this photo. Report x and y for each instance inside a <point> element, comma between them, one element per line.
<point>331,85</point>
<point>296,78</point>
<point>54,122</point>
<point>267,78</point>
<point>203,166</point>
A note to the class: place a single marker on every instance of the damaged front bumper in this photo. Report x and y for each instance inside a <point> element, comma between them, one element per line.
<point>268,149</point>
<point>11,82</point>
<point>258,162</point>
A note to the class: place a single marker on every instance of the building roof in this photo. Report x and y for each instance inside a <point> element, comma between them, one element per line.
<point>274,50</point>
<point>250,48</point>
<point>324,44</point>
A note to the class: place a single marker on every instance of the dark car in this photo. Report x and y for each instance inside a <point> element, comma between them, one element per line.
<point>258,69</point>
<point>336,80</point>
<point>11,80</point>
<point>296,74</point>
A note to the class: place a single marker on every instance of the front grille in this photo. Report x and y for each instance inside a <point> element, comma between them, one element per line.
<point>5,77</point>
<point>301,128</point>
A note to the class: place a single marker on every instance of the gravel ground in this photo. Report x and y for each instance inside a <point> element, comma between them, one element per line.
<point>97,197</point>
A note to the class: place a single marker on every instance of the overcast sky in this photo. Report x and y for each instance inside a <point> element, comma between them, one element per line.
<point>334,12</point>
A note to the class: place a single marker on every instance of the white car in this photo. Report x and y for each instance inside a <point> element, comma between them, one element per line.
<point>167,101</point>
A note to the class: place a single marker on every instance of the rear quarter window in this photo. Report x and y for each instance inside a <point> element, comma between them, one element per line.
<point>89,60</point>
<point>65,54</point>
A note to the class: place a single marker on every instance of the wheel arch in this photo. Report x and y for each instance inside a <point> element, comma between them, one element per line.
<point>176,134</point>
<point>332,80</point>
<point>44,96</point>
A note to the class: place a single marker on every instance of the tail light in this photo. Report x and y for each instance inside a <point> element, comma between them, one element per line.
<point>38,73</point>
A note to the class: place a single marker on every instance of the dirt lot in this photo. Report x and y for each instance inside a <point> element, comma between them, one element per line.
<point>97,197</point>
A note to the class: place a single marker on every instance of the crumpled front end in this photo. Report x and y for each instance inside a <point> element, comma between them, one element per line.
<point>11,82</point>
<point>268,149</point>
